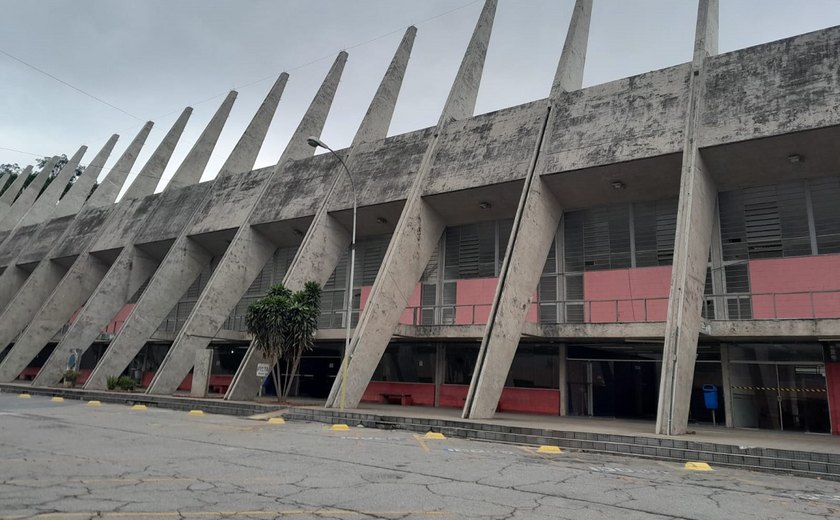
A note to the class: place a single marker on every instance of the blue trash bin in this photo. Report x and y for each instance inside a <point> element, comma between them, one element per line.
<point>710,396</point>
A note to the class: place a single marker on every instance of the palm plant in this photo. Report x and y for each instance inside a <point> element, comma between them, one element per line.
<point>283,324</point>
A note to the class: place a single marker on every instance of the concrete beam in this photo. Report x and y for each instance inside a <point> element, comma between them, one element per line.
<point>415,237</point>
<point>74,199</point>
<point>201,375</point>
<point>246,255</point>
<point>695,221</point>
<point>129,272</point>
<point>534,228</point>
<point>44,207</point>
<point>111,185</point>
<point>193,166</point>
<point>147,180</point>
<point>326,239</point>
<point>22,204</point>
<point>185,260</point>
<point>69,295</point>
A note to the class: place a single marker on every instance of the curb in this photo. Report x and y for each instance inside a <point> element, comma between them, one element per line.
<point>790,462</point>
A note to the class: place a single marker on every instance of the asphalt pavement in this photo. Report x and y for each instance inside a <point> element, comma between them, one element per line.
<point>69,460</point>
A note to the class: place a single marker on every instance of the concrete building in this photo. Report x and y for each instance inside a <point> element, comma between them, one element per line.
<point>606,251</point>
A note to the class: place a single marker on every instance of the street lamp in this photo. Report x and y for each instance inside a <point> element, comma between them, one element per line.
<point>314,142</point>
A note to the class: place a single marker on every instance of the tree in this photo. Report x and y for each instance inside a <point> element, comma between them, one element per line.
<point>283,324</point>
<point>13,169</point>
<point>55,171</point>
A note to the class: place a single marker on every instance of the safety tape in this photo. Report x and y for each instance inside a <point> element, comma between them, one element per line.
<point>779,389</point>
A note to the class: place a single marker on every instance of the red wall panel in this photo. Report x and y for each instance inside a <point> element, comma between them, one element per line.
<point>422,394</point>
<point>784,287</point>
<point>626,295</point>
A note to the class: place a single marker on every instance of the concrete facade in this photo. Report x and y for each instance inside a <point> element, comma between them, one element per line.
<point>642,237</point>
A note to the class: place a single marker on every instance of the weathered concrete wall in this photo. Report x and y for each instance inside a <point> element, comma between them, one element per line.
<point>127,219</point>
<point>173,213</point>
<point>81,233</point>
<point>230,201</point>
<point>296,191</point>
<point>38,247</point>
<point>487,149</point>
<point>17,243</point>
<point>775,88</point>
<point>632,118</point>
<point>383,170</point>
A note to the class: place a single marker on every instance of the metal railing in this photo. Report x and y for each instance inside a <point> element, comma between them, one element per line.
<point>773,305</point>
<point>618,310</point>
<point>459,314</point>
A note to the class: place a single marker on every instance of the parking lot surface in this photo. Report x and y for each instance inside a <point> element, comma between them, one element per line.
<point>69,460</point>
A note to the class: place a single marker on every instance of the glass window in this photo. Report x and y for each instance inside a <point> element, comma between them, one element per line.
<point>407,363</point>
<point>460,363</point>
<point>771,352</point>
<point>535,366</point>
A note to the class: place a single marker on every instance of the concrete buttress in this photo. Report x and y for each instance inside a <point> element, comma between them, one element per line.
<point>190,170</point>
<point>245,256</point>
<point>182,263</point>
<point>12,191</point>
<point>147,180</point>
<point>24,201</point>
<point>75,198</point>
<point>695,221</point>
<point>534,229</point>
<point>107,191</point>
<point>326,239</point>
<point>415,237</point>
<point>44,207</point>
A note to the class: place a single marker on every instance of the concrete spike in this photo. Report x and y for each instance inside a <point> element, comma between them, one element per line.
<point>316,115</point>
<point>461,101</point>
<point>193,166</point>
<point>695,222</point>
<point>111,185</point>
<point>75,198</point>
<point>3,180</point>
<point>569,75</point>
<point>243,260</point>
<point>12,191</point>
<point>22,204</point>
<point>44,207</point>
<point>147,180</point>
<point>377,120</point>
<point>244,154</point>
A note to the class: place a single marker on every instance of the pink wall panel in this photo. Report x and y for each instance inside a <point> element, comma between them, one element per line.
<point>832,384</point>
<point>627,295</point>
<point>474,298</point>
<point>783,287</point>
<point>407,317</point>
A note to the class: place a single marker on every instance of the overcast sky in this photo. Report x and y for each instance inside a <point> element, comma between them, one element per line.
<point>152,58</point>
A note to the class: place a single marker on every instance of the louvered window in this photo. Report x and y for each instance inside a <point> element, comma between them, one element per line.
<point>764,222</point>
<point>470,251</point>
<point>654,228</point>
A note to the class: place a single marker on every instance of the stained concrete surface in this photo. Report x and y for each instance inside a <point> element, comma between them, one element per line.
<point>69,461</point>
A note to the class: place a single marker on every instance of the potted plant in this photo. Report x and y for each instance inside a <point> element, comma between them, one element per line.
<point>70,377</point>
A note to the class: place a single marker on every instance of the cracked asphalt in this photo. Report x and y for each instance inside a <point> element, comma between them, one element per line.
<point>72,461</point>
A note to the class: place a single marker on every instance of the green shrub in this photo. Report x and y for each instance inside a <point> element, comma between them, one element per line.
<point>126,383</point>
<point>112,382</point>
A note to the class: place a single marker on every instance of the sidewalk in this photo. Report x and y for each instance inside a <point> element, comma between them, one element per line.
<point>810,455</point>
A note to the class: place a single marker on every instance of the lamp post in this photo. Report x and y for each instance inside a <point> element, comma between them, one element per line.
<point>314,142</point>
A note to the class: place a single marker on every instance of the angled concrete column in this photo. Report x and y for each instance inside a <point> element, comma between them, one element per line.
<point>128,273</point>
<point>176,274</point>
<point>147,180</point>
<point>201,374</point>
<point>695,221</point>
<point>12,191</point>
<point>72,201</point>
<point>415,237</point>
<point>107,191</point>
<point>22,204</point>
<point>185,260</point>
<point>44,207</point>
<point>245,257</point>
<point>41,326</point>
<point>28,300</point>
<point>534,229</point>
<point>326,239</point>
<point>193,166</point>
